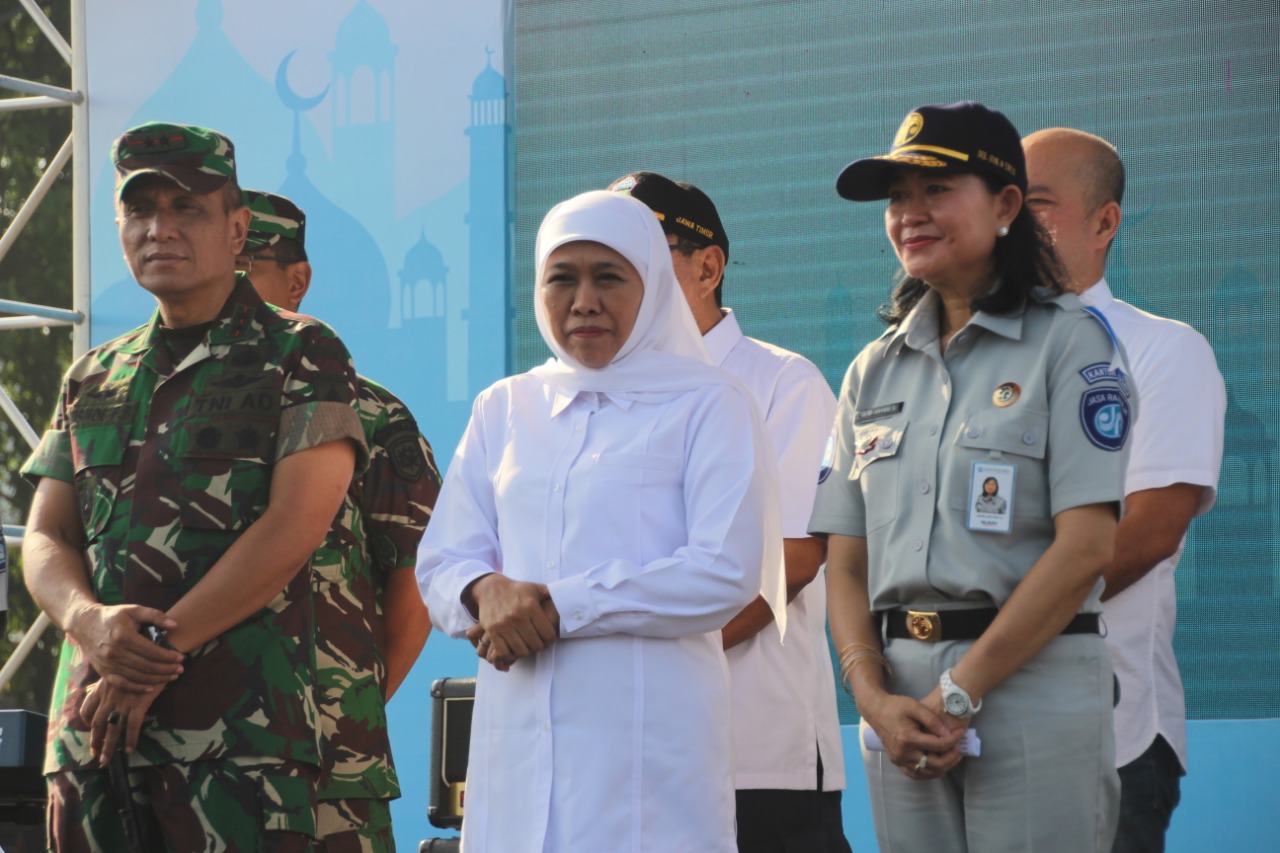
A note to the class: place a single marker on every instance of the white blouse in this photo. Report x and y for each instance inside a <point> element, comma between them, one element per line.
<point>642,518</point>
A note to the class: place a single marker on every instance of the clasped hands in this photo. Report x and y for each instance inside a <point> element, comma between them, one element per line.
<point>515,619</point>
<point>918,735</point>
<point>133,671</point>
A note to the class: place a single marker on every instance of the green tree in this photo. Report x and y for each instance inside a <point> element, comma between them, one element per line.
<point>37,269</point>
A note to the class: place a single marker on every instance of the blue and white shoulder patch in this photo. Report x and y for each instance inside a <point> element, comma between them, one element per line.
<point>1105,417</point>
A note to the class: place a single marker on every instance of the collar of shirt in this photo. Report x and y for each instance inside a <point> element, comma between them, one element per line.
<point>560,400</point>
<point>240,320</point>
<point>920,328</point>
<point>1099,296</point>
<point>722,337</point>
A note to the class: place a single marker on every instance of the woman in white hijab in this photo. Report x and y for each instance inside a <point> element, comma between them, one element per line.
<point>604,515</point>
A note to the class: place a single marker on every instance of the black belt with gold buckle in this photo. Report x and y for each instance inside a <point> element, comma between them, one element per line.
<point>934,626</point>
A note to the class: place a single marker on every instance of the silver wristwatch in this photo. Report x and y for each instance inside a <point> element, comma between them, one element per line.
<point>955,699</point>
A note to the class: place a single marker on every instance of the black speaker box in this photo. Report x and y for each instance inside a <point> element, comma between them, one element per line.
<point>451,702</point>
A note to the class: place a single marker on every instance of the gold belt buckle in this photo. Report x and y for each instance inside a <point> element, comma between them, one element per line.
<point>924,625</point>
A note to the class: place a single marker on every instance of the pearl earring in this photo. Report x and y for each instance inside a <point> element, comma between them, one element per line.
<point>1003,231</point>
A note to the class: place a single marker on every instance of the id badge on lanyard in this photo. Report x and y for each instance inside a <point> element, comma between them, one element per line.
<point>991,488</point>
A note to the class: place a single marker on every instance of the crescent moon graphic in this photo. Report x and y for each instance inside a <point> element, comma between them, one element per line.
<point>288,97</point>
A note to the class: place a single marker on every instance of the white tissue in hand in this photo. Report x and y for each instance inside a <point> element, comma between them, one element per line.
<point>970,745</point>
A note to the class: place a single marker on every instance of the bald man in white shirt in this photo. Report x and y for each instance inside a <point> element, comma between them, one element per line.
<point>1076,184</point>
<point>788,753</point>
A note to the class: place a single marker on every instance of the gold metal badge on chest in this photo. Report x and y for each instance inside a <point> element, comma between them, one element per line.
<point>1006,395</point>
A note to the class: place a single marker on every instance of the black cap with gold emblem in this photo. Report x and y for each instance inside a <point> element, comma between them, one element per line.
<point>961,137</point>
<point>683,209</point>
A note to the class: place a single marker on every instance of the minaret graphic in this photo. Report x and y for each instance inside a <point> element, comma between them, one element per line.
<point>491,226</point>
<point>424,312</point>
<point>364,118</point>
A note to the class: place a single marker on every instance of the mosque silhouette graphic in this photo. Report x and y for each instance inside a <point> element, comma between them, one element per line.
<point>420,299</point>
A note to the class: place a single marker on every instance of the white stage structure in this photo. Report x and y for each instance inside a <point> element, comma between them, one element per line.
<point>33,315</point>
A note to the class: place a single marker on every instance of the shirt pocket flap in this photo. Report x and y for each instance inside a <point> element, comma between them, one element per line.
<point>288,803</point>
<point>97,454</point>
<point>873,442</point>
<point>97,446</point>
<point>1025,434</point>
<point>639,460</point>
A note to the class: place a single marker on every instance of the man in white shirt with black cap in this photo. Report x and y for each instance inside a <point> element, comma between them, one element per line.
<point>788,754</point>
<point>1075,186</point>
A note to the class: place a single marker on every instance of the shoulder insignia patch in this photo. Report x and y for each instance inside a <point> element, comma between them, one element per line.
<point>1104,416</point>
<point>407,458</point>
<point>1102,371</point>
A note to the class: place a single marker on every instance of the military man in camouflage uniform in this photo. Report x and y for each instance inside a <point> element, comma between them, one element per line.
<point>192,468</point>
<point>359,593</point>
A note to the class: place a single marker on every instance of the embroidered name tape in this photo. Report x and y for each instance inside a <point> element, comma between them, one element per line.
<point>865,416</point>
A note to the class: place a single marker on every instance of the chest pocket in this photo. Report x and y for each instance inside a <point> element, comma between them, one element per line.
<point>875,467</point>
<point>636,494</point>
<point>99,437</point>
<point>226,472</point>
<point>1017,438</point>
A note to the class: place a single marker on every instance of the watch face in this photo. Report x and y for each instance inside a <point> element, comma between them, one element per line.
<point>955,704</point>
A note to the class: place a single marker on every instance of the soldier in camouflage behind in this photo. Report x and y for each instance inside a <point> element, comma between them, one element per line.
<point>192,468</point>
<point>359,593</point>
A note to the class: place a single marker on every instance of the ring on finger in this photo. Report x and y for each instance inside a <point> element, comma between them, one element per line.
<point>922,764</point>
<point>113,719</point>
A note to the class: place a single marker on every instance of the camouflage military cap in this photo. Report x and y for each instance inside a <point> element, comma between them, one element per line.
<point>195,158</point>
<point>274,217</point>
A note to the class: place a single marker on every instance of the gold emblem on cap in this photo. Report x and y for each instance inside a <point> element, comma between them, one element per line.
<point>910,129</point>
<point>1006,395</point>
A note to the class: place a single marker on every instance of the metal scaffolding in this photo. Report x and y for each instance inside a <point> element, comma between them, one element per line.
<point>24,315</point>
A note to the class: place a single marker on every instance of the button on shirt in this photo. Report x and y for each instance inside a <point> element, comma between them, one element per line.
<point>777,739</point>
<point>910,416</point>
<point>642,518</point>
<point>1178,439</point>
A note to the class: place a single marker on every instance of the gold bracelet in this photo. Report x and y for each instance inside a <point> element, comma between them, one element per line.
<point>854,651</point>
<point>853,654</point>
<point>848,647</point>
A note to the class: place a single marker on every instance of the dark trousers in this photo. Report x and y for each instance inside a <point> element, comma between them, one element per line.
<point>783,821</point>
<point>1150,788</point>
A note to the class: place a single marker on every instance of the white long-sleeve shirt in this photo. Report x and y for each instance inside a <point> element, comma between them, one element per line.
<point>643,519</point>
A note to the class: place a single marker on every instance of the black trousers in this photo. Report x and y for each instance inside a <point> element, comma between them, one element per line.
<point>785,821</point>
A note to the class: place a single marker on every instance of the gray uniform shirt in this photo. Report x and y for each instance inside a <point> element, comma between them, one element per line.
<point>1037,390</point>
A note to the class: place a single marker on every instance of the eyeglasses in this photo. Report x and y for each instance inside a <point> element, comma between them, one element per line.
<point>244,263</point>
<point>685,247</point>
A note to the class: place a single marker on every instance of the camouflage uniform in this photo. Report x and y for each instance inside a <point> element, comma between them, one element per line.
<point>172,458</point>
<point>4,576</point>
<point>394,498</point>
<point>171,466</point>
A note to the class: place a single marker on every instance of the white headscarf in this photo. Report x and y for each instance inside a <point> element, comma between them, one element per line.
<point>664,354</point>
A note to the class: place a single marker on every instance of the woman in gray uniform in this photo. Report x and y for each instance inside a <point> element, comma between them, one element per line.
<point>951,622</point>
